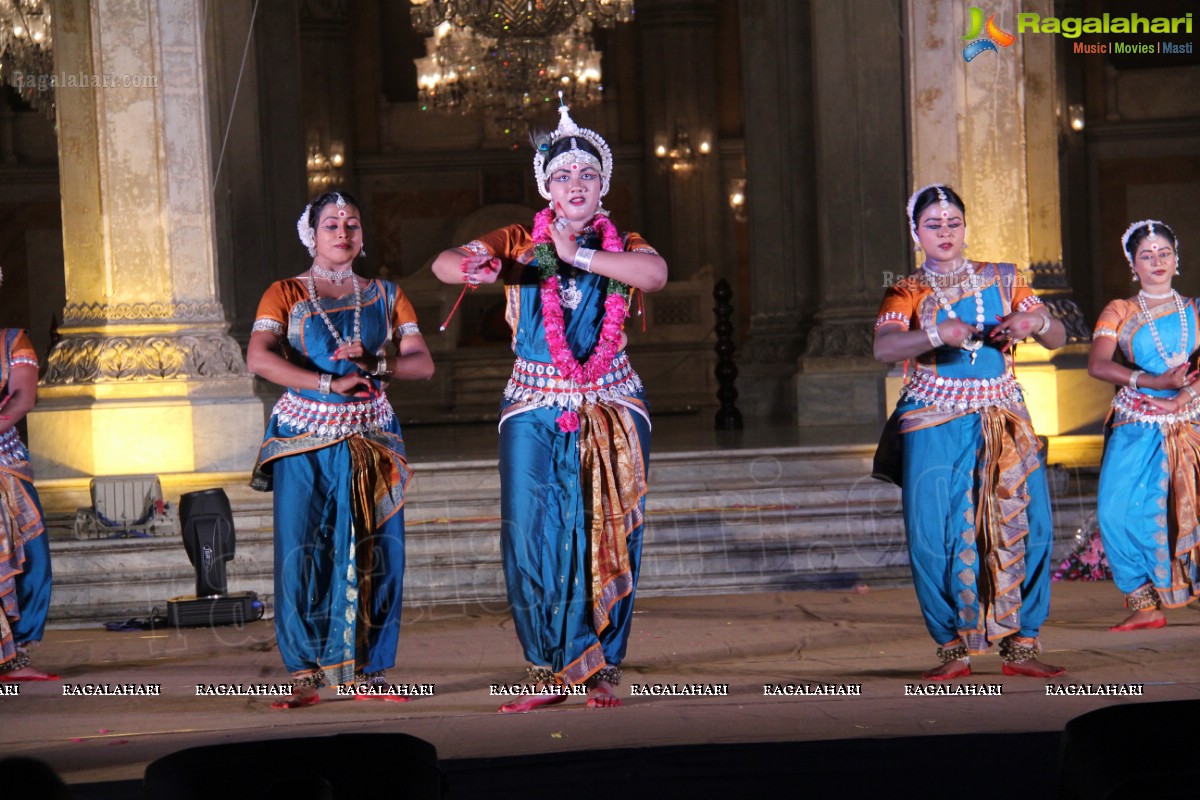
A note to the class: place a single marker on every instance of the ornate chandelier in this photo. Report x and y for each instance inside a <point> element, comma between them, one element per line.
<point>26,60</point>
<point>509,58</point>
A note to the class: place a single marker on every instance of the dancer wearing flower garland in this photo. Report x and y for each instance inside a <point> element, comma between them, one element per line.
<point>976,504</point>
<point>574,428</point>
<point>1148,481</point>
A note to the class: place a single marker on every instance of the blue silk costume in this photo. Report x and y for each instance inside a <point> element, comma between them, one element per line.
<point>1148,479</point>
<point>338,468</point>
<point>976,505</point>
<point>572,501</point>
<point>25,575</point>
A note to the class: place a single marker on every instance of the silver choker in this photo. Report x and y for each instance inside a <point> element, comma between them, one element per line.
<point>338,277</point>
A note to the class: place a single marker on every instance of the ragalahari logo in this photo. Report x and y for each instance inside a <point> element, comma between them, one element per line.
<point>995,36</point>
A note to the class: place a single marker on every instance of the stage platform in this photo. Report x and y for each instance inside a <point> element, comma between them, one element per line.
<point>867,640</point>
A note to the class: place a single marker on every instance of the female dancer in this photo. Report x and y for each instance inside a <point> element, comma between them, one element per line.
<point>24,547</point>
<point>334,456</point>
<point>1148,480</point>
<point>574,429</point>
<point>976,504</point>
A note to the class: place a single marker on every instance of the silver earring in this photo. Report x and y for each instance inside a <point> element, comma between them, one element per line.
<point>362,252</point>
<point>1135,277</point>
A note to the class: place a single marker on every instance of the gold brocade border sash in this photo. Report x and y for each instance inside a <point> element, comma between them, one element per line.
<point>614,482</point>
<point>1182,443</point>
<point>1010,455</point>
<point>367,463</point>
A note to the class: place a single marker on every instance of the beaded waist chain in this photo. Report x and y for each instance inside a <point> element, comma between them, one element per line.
<point>333,419</point>
<point>962,394</point>
<point>1125,405</point>
<point>539,383</point>
<point>12,449</point>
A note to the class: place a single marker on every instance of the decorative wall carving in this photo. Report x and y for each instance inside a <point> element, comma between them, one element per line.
<point>841,340</point>
<point>98,359</point>
<point>1051,284</point>
<point>84,313</point>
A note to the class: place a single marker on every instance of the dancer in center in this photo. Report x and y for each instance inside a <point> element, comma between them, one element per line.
<point>976,504</point>
<point>574,428</point>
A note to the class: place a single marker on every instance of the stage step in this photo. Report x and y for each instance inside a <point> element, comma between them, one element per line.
<point>717,522</point>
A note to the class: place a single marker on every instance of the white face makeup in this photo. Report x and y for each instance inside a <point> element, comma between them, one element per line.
<point>575,190</point>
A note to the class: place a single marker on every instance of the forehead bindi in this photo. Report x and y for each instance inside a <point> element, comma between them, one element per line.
<point>348,214</point>
<point>1149,247</point>
<point>936,214</point>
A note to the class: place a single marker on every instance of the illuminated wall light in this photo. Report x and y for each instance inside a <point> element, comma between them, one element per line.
<point>1076,117</point>
<point>680,156</point>
<point>737,198</point>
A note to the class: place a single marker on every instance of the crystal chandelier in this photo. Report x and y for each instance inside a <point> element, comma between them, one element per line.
<point>509,58</point>
<point>26,60</point>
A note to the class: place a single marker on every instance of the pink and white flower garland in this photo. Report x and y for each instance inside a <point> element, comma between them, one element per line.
<point>615,311</point>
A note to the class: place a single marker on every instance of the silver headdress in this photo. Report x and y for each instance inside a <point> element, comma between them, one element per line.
<point>568,129</point>
<point>943,202</point>
<point>1151,234</point>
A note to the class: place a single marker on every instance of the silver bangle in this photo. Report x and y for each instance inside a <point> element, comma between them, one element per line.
<point>1045,327</point>
<point>935,338</point>
<point>1133,378</point>
<point>1192,392</point>
<point>324,383</point>
<point>583,259</point>
<point>381,368</point>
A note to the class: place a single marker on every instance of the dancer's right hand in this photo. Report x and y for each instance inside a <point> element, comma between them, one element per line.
<point>480,269</point>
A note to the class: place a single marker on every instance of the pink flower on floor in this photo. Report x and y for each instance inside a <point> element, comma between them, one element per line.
<point>568,422</point>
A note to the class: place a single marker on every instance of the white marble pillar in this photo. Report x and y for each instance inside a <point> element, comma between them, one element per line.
<point>145,377</point>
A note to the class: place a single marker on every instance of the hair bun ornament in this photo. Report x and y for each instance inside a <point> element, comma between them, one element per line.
<point>308,236</point>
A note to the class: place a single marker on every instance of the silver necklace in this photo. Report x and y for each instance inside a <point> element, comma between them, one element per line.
<point>337,337</point>
<point>1153,296</point>
<point>338,277</point>
<point>1180,357</point>
<point>971,345</point>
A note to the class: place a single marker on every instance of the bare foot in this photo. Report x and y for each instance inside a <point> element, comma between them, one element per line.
<point>602,696</point>
<point>27,674</point>
<point>380,692</point>
<point>300,697</point>
<point>949,671</point>
<point>1142,619</point>
<point>1032,668</point>
<point>545,697</point>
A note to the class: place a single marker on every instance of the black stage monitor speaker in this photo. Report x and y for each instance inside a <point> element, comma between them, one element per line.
<point>208,538</point>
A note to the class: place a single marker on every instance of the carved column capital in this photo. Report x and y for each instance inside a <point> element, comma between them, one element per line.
<point>100,358</point>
